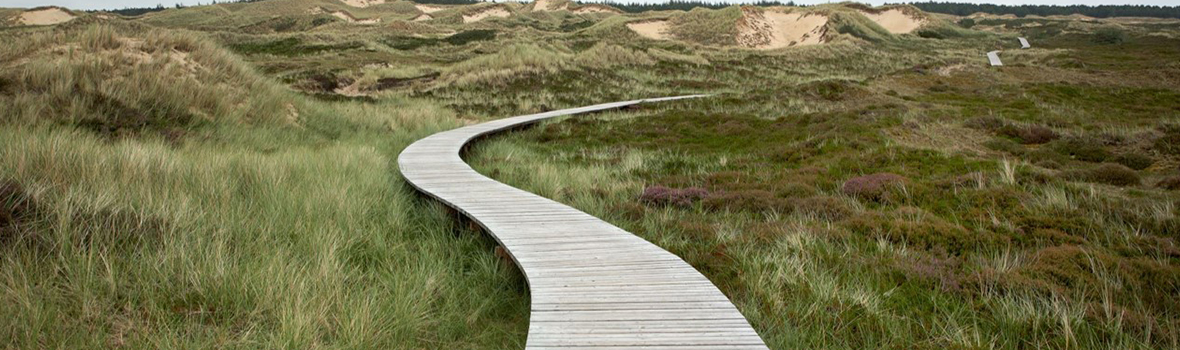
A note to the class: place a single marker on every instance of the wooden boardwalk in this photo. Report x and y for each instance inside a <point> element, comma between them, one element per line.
<point>993,58</point>
<point>593,285</point>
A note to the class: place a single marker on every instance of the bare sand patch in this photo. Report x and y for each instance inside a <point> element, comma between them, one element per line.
<point>492,12</point>
<point>768,29</point>
<point>362,3</point>
<point>350,19</point>
<point>422,17</point>
<point>594,8</point>
<point>895,21</point>
<point>549,5</point>
<point>429,9</point>
<point>44,17</point>
<point>651,29</point>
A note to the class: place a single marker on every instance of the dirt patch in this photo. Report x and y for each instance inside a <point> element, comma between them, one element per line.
<point>423,17</point>
<point>767,29</point>
<point>593,8</point>
<point>47,16</point>
<point>481,15</point>
<point>657,30</point>
<point>895,21</point>
<point>429,9</point>
<point>362,3</point>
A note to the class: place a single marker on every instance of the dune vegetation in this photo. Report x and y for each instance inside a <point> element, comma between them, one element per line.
<point>224,175</point>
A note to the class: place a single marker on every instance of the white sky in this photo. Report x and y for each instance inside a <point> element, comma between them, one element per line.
<point>116,4</point>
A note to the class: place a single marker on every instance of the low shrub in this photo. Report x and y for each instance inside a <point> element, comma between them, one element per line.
<point>457,39</point>
<point>934,268</point>
<point>823,207</point>
<point>683,197</point>
<point>1107,173</point>
<point>1004,145</point>
<point>1048,164</point>
<point>796,190</point>
<point>1110,35</point>
<point>874,187</point>
<point>917,228</point>
<point>1134,160</point>
<point>747,200</point>
<point>987,123</point>
<point>1081,148</point>
<point>1029,134</point>
<point>1170,183</point>
<point>1170,142</point>
<point>1040,155</point>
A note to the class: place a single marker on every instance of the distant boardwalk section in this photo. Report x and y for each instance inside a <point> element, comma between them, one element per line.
<point>994,58</point>
<point>593,285</point>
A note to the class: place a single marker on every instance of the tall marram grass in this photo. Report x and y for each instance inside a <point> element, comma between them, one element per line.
<point>250,230</point>
<point>97,73</point>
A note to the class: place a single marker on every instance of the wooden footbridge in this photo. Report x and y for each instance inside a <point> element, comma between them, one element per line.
<point>592,285</point>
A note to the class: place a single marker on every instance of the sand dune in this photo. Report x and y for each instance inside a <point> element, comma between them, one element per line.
<point>492,12</point>
<point>362,3</point>
<point>43,17</point>
<point>769,29</point>
<point>549,5</point>
<point>651,29</point>
<point>895,21</point>
<point>429,8</point>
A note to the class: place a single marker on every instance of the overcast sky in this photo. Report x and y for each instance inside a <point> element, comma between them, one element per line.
<point>109,4</point>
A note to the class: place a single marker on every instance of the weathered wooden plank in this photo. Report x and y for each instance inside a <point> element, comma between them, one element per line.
<point>592,284</point>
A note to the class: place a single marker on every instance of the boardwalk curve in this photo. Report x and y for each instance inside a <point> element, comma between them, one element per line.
<point>592,285</point>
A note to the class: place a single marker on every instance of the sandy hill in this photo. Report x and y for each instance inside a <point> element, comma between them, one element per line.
<point>766,28</point>
<point>42,16</point>
<point>283,15</point>
<point>897,19</point>
<point>123,79</point>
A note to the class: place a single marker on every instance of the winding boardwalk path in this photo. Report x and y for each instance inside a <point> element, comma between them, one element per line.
<point>593,285</point>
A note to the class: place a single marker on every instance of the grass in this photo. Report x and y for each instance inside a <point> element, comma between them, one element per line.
<point>243,229</point>
<point>996,251</point>
<point>192,178</point>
